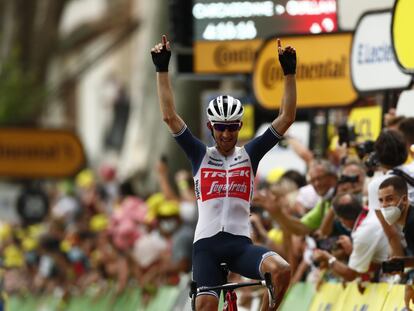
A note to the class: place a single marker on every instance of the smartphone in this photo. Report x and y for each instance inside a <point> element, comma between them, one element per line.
<point>327,244</point>
<point>392,266</point>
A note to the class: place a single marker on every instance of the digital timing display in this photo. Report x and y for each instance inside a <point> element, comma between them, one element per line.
<point>248,20</point>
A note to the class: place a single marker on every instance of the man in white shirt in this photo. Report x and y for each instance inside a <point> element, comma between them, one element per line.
<point>369,246</point>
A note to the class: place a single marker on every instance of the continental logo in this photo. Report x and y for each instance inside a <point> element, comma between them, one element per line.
<point>330,69</point>
<point>225,55</point>
<point>34,153</point>
<point>322,75</point>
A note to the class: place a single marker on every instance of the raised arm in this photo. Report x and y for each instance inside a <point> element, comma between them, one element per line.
<point>287,112</point>
<point>161,54</point>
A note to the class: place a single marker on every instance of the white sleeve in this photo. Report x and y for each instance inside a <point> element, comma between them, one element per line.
<point>361,255</point>
<point>369,245</point>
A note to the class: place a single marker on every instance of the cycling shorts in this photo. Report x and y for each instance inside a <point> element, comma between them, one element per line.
<point>237,251</point>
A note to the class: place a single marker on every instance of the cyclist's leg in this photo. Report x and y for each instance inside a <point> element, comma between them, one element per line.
<point>206,272</point>
<point>206,303</point>
<point>255,261</point>
<point>281,274</point>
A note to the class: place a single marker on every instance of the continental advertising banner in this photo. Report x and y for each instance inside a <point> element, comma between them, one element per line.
<point>223,57</point>
<point>373,64</point>
<point>323,75</point>
<point>34,153</point>
<point>402,37</point>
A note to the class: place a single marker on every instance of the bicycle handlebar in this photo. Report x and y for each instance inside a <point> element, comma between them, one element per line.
<point>232,286</point>
<point>229,286</point>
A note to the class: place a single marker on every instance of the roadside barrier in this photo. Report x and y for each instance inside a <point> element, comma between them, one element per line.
<point>301,297</point>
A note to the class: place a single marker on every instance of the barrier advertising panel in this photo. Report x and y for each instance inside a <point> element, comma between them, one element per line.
<point>323,77</point>
<point>402,37</point>
<point>373,64</point>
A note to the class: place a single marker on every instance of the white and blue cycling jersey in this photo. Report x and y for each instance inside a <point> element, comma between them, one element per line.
<point>224,184</point>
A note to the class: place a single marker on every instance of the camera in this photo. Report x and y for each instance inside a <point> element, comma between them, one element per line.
<point>365,151</point>
<point>371,163</point>
<point>328,244</point>
<point>392,266</point>
<point>365,148</point>
<point>346,134</point>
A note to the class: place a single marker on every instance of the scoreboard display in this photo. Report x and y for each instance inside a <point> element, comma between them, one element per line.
<point>251,20</point>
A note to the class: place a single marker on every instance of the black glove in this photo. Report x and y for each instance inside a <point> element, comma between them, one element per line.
<point>287,59</point>
<point>161,59</point>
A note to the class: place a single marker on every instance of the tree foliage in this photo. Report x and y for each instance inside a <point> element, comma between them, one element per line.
<point>30,40</point>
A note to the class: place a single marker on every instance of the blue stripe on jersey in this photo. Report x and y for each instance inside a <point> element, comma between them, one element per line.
<point>260,145</point>
<point>192,146</point>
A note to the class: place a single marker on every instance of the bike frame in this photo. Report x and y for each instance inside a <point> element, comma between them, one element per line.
<point>230,297</point>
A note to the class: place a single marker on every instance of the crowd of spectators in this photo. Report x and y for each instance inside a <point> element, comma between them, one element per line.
<point>343,220</point>
<point>96,234</point>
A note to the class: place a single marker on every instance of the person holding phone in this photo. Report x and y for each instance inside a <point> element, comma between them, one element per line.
<point>223,179</point>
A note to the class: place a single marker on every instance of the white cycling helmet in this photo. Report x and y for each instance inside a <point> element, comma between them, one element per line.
<point>225,108</point>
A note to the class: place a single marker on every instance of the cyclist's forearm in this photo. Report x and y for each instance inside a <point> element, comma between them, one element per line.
<point>167,106</point>
<point>287,113</point>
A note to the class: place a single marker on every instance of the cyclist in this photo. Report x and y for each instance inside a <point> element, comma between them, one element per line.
<point>223,179</point>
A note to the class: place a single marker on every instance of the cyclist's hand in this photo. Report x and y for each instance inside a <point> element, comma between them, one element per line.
<point>287,58</point>
<point>161,54</point>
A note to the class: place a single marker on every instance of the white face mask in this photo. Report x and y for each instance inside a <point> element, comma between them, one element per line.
<point>168,225</point>
<point>391,213</point>
<point>188,212</point>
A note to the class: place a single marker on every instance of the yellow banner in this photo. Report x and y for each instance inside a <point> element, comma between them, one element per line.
<point>367,122</point>
<point>247,130</point>
<point>225,56</point>
<point>327,297</point>
<point>39,153</point>
<point>402,38</point>
<point>323,75</point>
<point>372,297</point>
<point>395,299</point>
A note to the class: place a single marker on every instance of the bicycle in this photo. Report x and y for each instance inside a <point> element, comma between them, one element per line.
<point>230,297</point>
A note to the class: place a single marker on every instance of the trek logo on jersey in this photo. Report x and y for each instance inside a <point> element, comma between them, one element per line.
<point>214,183</point>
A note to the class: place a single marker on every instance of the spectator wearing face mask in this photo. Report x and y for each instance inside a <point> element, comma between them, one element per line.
<point>369,246</point>
<point>176,258</point>
<point>351,180</point>
<point>322,176</point>
<point>396,209</point>
<point>391,152</point>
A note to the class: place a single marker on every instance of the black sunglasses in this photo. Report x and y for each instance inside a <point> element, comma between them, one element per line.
<point>221,127</point>
<point>348,178</point>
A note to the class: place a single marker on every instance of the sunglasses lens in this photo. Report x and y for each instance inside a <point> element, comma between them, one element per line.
<point>221,127</point>
<point>233,127</point>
